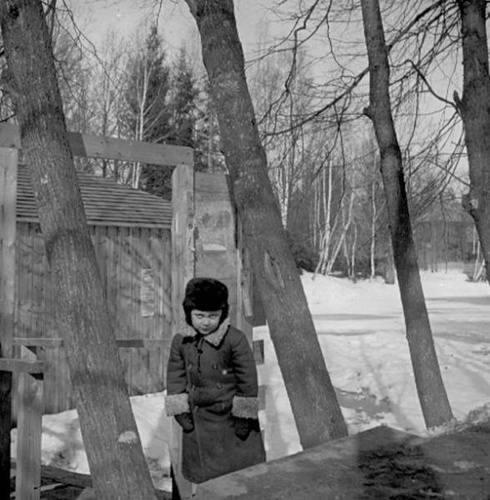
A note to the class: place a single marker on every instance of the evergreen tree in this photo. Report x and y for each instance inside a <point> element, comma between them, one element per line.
<point>181,115</point>
<point>147,114</point>
<point>208,154</point>
<point>183,97</point>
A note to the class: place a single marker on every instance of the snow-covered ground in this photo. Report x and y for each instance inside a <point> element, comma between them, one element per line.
<point>361,332</point>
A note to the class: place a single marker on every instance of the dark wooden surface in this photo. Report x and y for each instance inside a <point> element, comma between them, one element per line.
<point>59,484</point>
<point>377,464</point>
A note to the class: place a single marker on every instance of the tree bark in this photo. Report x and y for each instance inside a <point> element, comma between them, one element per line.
<point>114,452</point>
<point>474,107</point>
<point>315,407</point>
<point>432,393</point>
<point>374,217</point>
<point>325,195</point>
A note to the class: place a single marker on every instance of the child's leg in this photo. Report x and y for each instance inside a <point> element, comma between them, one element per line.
<point>194,488</point>
<point>175,489</point>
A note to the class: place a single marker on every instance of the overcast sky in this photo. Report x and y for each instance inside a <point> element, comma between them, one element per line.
<point>96,17</point>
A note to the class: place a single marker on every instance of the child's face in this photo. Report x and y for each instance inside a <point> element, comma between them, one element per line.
<point>205,322</point>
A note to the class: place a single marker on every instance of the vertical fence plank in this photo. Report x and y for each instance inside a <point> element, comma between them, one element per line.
<point>29,428</point>
<point>244,287</point>
<point>216,250</point>
<point>182,271</point>
<point>8,198</point>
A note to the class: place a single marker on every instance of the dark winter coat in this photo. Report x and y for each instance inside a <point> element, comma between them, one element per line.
<point>215,378</point>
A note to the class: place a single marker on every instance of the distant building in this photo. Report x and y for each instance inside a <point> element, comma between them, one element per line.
<point>444,236</point>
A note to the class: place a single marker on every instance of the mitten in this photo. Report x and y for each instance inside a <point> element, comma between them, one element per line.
<point>243,427</point>
<point>186,421</point>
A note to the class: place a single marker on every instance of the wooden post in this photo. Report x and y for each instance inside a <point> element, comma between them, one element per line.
<point>221,254</point>
<point>8,199</point>
<point>29,429</point>
<point>29,425</point>
<point>244,287</point>
<point>218,252</point>
<point>182,270</point>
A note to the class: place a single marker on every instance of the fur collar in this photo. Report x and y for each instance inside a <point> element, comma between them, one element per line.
<point>214,338</point>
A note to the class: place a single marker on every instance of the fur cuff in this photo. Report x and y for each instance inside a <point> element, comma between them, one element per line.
<point>176,404</point>
<point>245,407</point>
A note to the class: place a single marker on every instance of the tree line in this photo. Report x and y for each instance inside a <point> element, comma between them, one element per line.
<point>323,165</point>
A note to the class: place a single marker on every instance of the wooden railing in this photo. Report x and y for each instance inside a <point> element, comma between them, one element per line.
<point>29,425</point>
<point>30,409</point>
<point>121,343</point>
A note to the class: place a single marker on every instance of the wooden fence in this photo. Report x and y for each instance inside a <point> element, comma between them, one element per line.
<point>135,266</point>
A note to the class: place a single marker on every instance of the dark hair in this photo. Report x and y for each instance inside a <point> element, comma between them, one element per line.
<point>205,294</point>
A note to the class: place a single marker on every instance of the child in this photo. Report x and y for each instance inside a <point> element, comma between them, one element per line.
<point>212,387</point>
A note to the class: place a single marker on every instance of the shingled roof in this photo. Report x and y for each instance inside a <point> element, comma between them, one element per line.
<point>106,203</point>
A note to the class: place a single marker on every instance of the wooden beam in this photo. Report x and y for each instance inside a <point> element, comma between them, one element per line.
<point>110,148</point>
<point>22,366</point>
<point>8,199</point>
<point>183,269</point>
<point>244,284</point>
<point>29,430</point>
<point>262,398</point>
<point>258,350</point>
<point>51,343</point>
<point>45,342</point>
<point>143,343</point>
<point>65,478</point>
<point>183,251</point>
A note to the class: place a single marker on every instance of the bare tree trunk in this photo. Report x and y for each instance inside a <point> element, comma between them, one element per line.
<point>326,201</point>
<point>141,119</point>
<point>316,215</point>
<point>342,236</point>
<point>430,387</point>
<point>353,253</point>
<point>313,400</point>
<point>475,111</point>
<point>374,216</point>
<point>115,456</point>
<point>479,267</point>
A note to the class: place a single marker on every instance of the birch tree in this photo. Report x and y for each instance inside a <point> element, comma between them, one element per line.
<point>146,95</point>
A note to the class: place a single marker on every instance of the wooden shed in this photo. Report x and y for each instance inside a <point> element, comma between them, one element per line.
<point>131,233</point>
<point>445,235</point>
<point>146,248</point>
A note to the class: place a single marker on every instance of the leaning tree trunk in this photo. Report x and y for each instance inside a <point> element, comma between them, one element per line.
<point>313,400</point>
<point>475,112</point>
<point>430,387</point>
<point>114,452</point>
